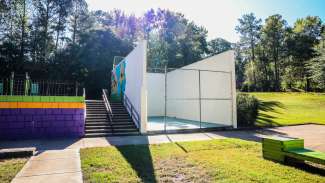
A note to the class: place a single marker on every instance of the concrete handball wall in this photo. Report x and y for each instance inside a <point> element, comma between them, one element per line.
<point>25,120</point>
<point>218,91</point>
<point>156,94</point>
<point>136,84</point>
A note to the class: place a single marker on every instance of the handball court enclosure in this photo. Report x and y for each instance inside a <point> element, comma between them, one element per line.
<point>198,96</point>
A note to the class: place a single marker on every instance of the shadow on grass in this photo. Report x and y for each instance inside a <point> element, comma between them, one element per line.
<point>140,159</point>
<point>268,119</point>
<point>307,167</point>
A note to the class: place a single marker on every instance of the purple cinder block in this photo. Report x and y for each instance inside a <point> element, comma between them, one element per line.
<point>68,117</point>
<point>28,111</point>
<point>48,111</point>
<point>80,111</point>
<point>67,111</point>
<point>29,124</point>
<point>28,117</point>
<point>37,117</point>
<point>6,111</point>
<point>11,118</point>
<point>40,111</point>
<point>15,111</point>
<point>59,117</point>
<point>20,118</point>
<point>56,111</point>
<point>4,126</point>
<point>2,119</point>
<point>17,125</point>
<point>69,124</point>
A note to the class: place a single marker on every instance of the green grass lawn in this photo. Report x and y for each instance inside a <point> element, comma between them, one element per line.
<point>226,160</point>
<point>10,167</point>
<point>292,108</point>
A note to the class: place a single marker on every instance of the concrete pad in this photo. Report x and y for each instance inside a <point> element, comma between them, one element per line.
<point>52,162</point>
<point>314,135</point>
<point>158,139</point>
<point>56,154</point>
<point>61,144</point>
<point>214,135</point>
<point>51,166</point>
<point>75,177</point>
<point>95,142</point>
<point>188,137</point>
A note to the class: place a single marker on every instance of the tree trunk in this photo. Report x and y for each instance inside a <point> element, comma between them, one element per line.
<point>74,32</point>
<point>22,39</point>
<point>45,31</point>
<point>253,61</point>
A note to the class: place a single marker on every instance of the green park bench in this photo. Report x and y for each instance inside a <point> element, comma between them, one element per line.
<point>281,149</point>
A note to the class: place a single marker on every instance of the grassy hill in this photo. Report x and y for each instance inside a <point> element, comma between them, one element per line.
<point>282,109</point>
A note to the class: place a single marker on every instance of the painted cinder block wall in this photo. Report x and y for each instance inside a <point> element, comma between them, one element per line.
<point>26,117</point>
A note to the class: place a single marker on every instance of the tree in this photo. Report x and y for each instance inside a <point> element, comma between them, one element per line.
<point>273,34</point>
<point>62,13</point>
<point>317,68</point>
<point>306,35</point>
<point>80,21</point>
<point>218,45</point>
<point>249,29</point>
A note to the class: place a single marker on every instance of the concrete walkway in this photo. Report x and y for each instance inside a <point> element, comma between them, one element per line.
<point>59,160</point>
<point>52,166</point>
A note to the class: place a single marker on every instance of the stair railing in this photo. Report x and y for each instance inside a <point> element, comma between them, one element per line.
<point>107,105</point>
<point>131,110</point>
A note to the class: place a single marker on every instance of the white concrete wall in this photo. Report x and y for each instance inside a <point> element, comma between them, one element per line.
<point>218,91</point>
<point>156,94</point>
<point>136,84</point>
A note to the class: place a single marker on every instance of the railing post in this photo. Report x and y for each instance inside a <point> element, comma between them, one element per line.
<point>12,83</point>
<point>132,111</point>
<point>76,89</point>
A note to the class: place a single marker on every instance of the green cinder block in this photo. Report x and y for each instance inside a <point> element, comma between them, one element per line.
<point>45,99</point>
<point>36,98</point>
<point>27,99</point>
<point>3,98</point>
<point>14,98</point>
<point>58,99</point>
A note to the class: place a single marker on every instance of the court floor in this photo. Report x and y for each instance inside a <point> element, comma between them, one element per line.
<point>157,123</point>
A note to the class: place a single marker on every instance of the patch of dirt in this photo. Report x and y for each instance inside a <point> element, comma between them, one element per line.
<point>178,170</point>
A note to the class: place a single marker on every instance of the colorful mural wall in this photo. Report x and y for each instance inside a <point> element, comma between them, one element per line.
<point>118,81</point>
<point>25,117</point>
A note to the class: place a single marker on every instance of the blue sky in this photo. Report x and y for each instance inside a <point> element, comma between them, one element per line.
<point>219,16</point>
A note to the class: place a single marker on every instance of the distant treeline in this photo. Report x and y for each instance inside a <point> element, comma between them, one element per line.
<point>62,40</point>
<point>276,57</point>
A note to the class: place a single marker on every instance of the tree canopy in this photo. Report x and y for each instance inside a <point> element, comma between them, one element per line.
<point>63,40</point>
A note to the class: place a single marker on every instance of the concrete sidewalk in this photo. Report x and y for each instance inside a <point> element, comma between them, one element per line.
<point>52,166</point>
<point>314,136</point>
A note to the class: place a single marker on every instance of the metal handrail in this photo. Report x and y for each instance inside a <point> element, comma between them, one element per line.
<point>131,109</point>
<point>107,105</point>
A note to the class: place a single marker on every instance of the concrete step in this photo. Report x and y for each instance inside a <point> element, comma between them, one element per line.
<point>103,130</point>
<point>96,124</point>
<point>98,127</point>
